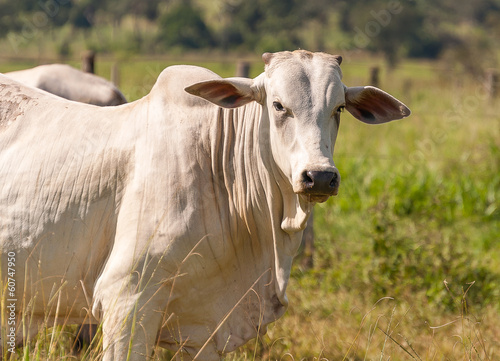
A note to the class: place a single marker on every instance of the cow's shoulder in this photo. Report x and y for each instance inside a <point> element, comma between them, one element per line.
<point>173,80</point>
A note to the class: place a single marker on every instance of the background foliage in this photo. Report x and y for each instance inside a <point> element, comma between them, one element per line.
<point>457,31</point>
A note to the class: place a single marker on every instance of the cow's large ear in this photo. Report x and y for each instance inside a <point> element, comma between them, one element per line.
<point>374,106</point>
<point>227,93</point>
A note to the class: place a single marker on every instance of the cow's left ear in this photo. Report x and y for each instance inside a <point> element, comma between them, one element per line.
<point>227,93</point>
<point>374,106</point>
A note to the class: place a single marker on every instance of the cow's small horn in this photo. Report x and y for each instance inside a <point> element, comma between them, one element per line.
<point>267,58</point>
<point>338,58</point>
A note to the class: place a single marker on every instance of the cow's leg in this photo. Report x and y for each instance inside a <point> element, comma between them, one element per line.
<point>130,296</point>
<point>131,320</point>
<point>84,336</point>
<point>130,329</point>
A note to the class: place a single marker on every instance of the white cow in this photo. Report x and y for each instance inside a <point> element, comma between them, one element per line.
<point>173,220</point>
<point>70,83</point>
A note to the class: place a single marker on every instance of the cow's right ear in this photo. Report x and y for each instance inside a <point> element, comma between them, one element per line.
<point>227,93</point>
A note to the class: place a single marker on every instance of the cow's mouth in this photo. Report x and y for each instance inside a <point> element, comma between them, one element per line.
<point>315,198</point>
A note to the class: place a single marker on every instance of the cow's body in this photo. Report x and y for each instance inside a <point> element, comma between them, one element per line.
<point>70,83</point>
<point>168,216</point>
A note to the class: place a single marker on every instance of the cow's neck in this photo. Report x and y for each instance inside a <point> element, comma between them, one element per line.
<point>240,165</point>
<point>261,195</point>
<point>248,169</point>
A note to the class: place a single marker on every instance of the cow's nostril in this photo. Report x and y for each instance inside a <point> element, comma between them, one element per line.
<point>308,179</point>
<point>333,182</point>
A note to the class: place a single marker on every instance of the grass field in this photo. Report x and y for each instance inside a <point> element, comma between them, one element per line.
<point>407,261</point>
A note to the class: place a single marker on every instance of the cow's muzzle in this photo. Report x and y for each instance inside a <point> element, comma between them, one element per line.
<point>319,185</point>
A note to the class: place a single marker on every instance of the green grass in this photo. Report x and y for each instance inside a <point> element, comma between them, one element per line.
<point>407,261</point>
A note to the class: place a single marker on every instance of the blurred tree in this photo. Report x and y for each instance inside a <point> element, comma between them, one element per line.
<point>147,9</point>
<point>27,17</point>
<point>318,13</point>
<point>7,21</point>
<point>242,24</point>
<point>418,28</point>
<point>82,17</point>
<point>270,25</point>
<point>183,26</point>
<point>82,13</point>
<point>390,27</point>
<point>467,33</point>
<point>399,30</point>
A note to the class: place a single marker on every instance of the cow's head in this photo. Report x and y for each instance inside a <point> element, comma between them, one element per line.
<point>302,95</point>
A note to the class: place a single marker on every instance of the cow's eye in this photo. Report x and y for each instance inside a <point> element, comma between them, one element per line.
<point>278,106</point>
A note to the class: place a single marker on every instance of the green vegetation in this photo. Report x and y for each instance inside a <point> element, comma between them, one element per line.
<point>453,30</point>
<point>407,261</point>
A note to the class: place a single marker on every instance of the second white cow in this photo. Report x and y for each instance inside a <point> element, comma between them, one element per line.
<point>70,83</point>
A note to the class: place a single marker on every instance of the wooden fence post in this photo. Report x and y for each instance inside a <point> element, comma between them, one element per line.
<point>375,76</point>
<point>308,243</point>
<point>88,61</point>
<point>115,74</point>
<point>492,83</point>
<point>243,69</point>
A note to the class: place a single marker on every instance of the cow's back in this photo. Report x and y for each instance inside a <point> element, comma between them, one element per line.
<point>70,83</point>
